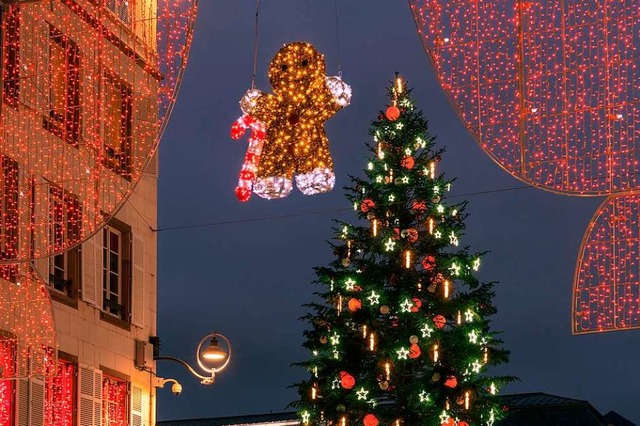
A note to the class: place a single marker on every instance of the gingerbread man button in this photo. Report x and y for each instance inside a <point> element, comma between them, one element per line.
<point>295,144</point>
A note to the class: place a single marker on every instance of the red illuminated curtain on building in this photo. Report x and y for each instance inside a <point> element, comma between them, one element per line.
<point>7,364</point>
<point>61,395</point>
<point>114,402</point>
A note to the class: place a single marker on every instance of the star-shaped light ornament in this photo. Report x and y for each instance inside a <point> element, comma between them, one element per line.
<point>406,305</point>
<point>424,396</point>
<point>473,337</point>
<point>476,366</point>
<point>468,315</point>
<point>362,394</point>
<point>335,339</point>
<point>335,384</point>
<point>399,126</point>
<point>350,284</point>
<point>403,353</point>
<point>476,264</point>
<point>373,403</point>
<point>336,354</point>
<point>405,179</point>
<point>420,143</point>
<point>426,330</point>
<point>305,417</point>
<point>440,208</point>
<point>390,244</point>
<point>407,151</point>
<point>453,240</point>
<point>436,190</point>
<point>379,179</point>
<point>374,298</point>
<point>444,417</point>
<point>455,269</point>
<point>437,234</point>
<point>493,389</point>
<point>370,166</point>
<point>392,198</point>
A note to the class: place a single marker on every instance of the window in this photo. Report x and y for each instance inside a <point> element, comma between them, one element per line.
<point>116,270</point>
<point>120,8</point>
<point>11,55</point>
<point>9,193</point>
<point>118,125</point>
<point>61,395</point>
<point>66,221</point>
<point>63,119</point>
<point>7,368</point>
<point>114,402</point>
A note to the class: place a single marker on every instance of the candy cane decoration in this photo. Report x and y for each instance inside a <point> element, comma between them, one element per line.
<point>251,159</point>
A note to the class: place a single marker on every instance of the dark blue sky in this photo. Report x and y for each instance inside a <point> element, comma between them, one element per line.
<point>249,280</point>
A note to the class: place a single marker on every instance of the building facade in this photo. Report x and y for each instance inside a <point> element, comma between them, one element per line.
<point>74,100</point>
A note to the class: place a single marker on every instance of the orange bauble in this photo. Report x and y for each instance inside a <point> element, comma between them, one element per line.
<point>408,162</point>
<point>451,382</point>
<point>450,422</point>
<point>439,321</point>
<point>414,351</point>
<point>354,304</point>
<point>370,420</point>
<point>347,381</point>
<point>392,113</point>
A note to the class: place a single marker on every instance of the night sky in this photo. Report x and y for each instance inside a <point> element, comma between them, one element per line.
<point>248,279</point>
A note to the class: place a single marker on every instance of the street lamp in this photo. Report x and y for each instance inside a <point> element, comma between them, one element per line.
<point>211,359</point>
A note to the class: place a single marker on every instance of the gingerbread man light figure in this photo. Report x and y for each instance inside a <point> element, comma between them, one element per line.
<point>295,144</point>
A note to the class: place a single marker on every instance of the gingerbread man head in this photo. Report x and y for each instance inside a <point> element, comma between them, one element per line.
<point>297,69</point>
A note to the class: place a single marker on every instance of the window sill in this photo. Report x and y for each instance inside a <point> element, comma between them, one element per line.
<point>115,321</point>
<point>59,297</point>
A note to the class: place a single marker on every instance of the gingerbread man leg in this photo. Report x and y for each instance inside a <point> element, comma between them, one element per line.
<point>274,178</point>
<point>314,171</point>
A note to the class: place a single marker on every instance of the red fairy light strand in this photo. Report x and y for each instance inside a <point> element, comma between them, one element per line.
<point>88,87</point>
<point>549,90</point>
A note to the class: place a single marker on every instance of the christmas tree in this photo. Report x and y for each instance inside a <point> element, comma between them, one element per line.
<point>401,335</point>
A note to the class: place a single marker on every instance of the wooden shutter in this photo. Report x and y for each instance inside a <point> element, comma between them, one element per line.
<point>136,406</point>
<point>92,270</point>
<point>89,396</point>
<point>42,210</point>
<point>137,282</point>
<point>30,402</point>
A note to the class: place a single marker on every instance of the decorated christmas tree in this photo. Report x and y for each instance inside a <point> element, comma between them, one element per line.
<point>401,335</point>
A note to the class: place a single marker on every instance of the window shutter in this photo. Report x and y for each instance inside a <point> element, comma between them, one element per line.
<point>136,405</point>
<point>89,396</point>
<point>92,270</point>
<point>30,402</point>
<point>137,282</point>
<point>42,210</point>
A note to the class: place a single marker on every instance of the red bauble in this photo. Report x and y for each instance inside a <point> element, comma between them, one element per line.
<point>449,422</point>
<point>414,351</point>
<point>439,321</point>
<point>347,381</point>
<point>366,205</point>
<point>370,420</point>
<point>419,206</point>
<point>243,194</point>
<point>392,113</point>
<point>416,304</point>
<point>463,423</point>
<point>412,235</point>
<point>428,262</point>
<point>354,304</point>
<point>451,382</point>
<point>408,162</point>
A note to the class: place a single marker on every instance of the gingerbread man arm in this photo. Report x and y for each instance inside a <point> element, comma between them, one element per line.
<point>336,94</point>
<point>259,105</point>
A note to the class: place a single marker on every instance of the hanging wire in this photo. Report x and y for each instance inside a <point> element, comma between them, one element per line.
<point>335,3</point>
<point>255,47</point>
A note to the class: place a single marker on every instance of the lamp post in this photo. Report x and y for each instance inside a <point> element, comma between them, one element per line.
<point>211,359</point>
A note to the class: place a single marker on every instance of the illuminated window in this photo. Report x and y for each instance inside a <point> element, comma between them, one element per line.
<point>9,194</point>
<point>120,8</point>
<point>11,55</point>
<point>66,222</point>
<point>7,365</point>
<point>114,402</point>
<point>117,126</point>
<point>63,118</point>
<point>116,269</point>
<point>61,395</point>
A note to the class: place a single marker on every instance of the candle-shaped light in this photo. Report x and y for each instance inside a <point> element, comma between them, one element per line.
<point>314,392</point>
<point>431,226</point>
<point>407,259</point>
<point>435,353</point>
<point>446,289</point>
<point>399,88</point>
<point>387,370</point>
<point>485,356</point>
<point>374,227</point>
<point>432,169</point>
<point>339,304</point>
<point>467,398</point>
<point>372,342</point>
<point>459,319</point>
<point>343,421</point>
<point>380,151</point>
<point>364,331</point>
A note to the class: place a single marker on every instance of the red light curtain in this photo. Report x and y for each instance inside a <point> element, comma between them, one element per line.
<point>61,395</point>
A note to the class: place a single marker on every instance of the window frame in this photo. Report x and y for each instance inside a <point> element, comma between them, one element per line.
<point>64,124</point>
<point>112,376</point>
<point>123,319</point>
<point>63,358</point>
<point>117,156</point>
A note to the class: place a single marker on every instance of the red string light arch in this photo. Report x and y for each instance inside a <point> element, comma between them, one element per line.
<point>87,88</point>
<point>551,92</point>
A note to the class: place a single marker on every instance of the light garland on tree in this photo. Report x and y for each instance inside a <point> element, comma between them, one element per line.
<point>295,143</point>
